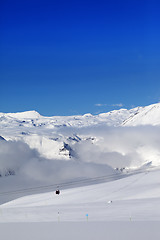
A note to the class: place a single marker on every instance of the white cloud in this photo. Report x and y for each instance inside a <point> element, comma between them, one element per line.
<point>109,105</point>
<point>100,105</point>
<point>16,156</point>
<point>112,147</point>
<point>120,146</point>
<point>117,105</point>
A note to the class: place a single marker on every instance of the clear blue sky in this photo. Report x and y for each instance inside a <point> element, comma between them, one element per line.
<point>74,57</point>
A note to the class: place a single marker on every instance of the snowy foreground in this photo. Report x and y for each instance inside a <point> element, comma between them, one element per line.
<point>79,231</point>
<point>134,198</point>
<point>128,208</point>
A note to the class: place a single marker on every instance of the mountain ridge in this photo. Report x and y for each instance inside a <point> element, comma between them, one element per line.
<point>148,115</point>
<point>64,137</point>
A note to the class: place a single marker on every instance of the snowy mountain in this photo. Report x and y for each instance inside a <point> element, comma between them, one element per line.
<point>56,137</point>
<point>39,150</point>
<point>106,166</point>
<point>149,115</point>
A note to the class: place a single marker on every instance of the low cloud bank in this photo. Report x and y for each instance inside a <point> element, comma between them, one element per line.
<point>17,158</point>
<point>118,146</point>
<point>100,151</point>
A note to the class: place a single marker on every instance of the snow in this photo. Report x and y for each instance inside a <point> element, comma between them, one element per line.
<point>42,152</point>
<point>133,117</point>
<point>79,231</point>
<point>148,115</point>
<point>48,134</point>
<point>22,115</point>
<point>136,196</point>
<point>127,208</point>
<point>46,147</point>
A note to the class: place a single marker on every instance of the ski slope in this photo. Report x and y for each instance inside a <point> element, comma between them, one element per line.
<point>122,209</point>
<point>133,198</point>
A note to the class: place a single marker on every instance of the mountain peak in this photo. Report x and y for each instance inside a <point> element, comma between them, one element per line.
<point>148,115</point>
<point>26,114</point>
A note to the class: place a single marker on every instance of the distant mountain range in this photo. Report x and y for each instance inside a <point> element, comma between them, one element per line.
<point>54,137</point>
<point>148,115</point>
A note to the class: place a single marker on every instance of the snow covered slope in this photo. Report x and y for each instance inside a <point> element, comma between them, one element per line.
<point>22,115</point>
<point>149,115</point>
<point>133,198</point>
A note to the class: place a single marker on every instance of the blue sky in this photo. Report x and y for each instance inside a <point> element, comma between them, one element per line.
<point>75,57</point>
